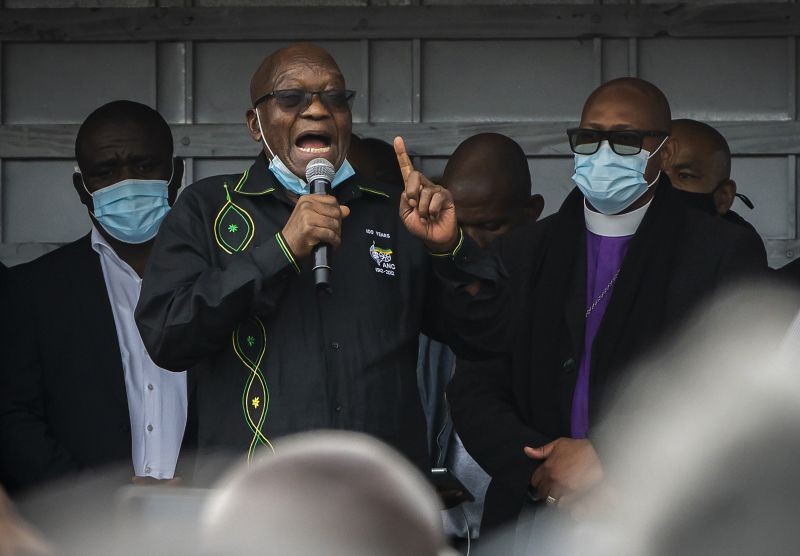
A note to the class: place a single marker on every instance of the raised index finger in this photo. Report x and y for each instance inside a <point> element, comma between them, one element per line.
<point>402,158</point>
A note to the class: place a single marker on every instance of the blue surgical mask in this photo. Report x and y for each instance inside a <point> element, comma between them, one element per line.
<point>612,182</point>
<point>293,183</point>
<point>132,210</point>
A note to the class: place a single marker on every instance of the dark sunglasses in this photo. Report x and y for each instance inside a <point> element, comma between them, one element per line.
<point>299,100</point>
<point>624,142</point>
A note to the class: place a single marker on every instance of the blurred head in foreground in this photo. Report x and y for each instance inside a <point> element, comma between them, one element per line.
<point>334,493</point>
<point>707,463</point>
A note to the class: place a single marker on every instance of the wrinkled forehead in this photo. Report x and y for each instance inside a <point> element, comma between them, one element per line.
<point>299,73</point>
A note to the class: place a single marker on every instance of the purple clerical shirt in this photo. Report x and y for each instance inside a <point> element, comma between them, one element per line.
<point>603,259</point>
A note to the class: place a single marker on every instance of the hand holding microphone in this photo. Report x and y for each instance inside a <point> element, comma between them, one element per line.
<point>316,221</point>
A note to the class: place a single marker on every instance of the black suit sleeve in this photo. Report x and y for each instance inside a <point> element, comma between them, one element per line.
<point>485,417</point>
<point>29,453</point>
<point>744,259</point>
<point>479,320</point>
<point>188,304</point>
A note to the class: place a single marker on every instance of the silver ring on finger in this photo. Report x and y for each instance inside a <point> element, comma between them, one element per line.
<point>550,501</point>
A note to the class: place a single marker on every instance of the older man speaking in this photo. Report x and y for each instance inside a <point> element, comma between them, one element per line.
<point>230,292</point>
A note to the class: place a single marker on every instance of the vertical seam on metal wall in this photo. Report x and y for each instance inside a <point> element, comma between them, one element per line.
<point>416,89</point>
<point>2,121</point>
<point>365,77</point>
<point>188,101</point>
<point>597,44</point>
<point>633,57</point>
<point>792,112</point>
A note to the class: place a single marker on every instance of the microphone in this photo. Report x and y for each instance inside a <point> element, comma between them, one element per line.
<point>319,174</point>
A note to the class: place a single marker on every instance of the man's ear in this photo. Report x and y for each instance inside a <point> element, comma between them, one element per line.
<point>667,152</point>
<point>252,124</point>
<point>534,207</point>
<point>174,185</point>
<point>724,196</point>
<point>83,195</point>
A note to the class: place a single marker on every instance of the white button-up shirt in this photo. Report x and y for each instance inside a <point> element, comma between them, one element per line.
<point>156,398</point>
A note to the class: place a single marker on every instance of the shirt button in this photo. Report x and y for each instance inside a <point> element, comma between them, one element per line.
<point>150,427</point>
<point>335,345</point>
<point>569,365</point>
<point>338,408</point>
<point>150,386</point>
<point>147,470</point>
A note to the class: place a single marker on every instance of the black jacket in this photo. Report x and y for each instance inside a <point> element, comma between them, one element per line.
<point>269,354</point>
<point>63,406</point>
<point>529,318</point>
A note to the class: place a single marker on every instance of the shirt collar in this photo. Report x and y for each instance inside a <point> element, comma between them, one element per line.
<point>614,225</point>
<point>101,246</point>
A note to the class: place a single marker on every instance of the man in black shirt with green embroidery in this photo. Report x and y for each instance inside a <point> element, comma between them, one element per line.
<point>229,290</point>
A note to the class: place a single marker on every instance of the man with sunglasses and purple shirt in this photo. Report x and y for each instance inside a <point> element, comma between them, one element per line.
<point>560,307</point>
<point>230,293</point>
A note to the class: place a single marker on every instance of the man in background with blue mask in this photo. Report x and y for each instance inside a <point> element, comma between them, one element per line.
<point>230,290</point>
<point>560,307</point>
<point>77,387</point>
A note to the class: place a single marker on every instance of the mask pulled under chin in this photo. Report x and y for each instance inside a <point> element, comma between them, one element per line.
<point>299,186</point>
<point>131,211</point>
<point>286,177</point>
<point>612,182</point>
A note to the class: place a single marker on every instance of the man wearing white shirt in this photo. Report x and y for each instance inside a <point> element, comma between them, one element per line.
<point>77,388</point>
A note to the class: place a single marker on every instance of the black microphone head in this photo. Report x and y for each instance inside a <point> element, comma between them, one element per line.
<point>320,169</point>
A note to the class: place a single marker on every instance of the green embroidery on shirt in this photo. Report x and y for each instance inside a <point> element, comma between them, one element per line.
<point>236,223</point>
<point>251,354</point>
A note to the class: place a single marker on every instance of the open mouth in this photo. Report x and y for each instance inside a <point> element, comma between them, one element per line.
<point>313,142</point>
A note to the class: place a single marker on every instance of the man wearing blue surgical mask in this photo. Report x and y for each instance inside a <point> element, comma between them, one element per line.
<point>77,387</point>
<point>230,292</point>
<point>560,307</point>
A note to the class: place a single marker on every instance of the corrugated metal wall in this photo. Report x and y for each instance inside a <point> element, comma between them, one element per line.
<point>435,74</point>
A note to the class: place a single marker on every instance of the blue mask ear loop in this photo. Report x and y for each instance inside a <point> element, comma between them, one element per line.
<point>263,137</point>
<point>649,185</point>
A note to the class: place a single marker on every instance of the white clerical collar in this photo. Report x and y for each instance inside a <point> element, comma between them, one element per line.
<point>614,225</point>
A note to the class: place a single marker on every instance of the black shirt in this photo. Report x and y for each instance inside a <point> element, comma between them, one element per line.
<point>270,354</point>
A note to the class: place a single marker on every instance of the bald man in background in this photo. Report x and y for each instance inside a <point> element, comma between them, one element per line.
<point>579,294</point>
<point>700,168</point>
<point>489,179</point>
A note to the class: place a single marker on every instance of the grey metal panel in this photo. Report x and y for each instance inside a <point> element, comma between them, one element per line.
<point>298,3</point>
<point>536,80</point>
<point>79,3</point>
<point>39,203</point>
<point>391,81</point>
<point>766,181</point>
<point>720,79</point>
<point>413,22</point>
<point>431,139</point>
<point>205,167</point>
<point>615,59</point>
<point>171,81</point>
<point>61,83</point>
<point>433,167</point>
<point>222,73</point>
<point>551,178</point>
